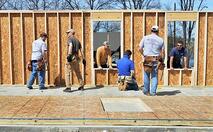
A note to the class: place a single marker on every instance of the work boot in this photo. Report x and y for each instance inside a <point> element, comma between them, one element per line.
<point>67,90</point>
<point>29,87</point>
<point>81,88</point>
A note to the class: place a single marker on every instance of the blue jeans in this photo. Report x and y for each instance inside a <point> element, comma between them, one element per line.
<point>41,76</point>
<point>154,79</point>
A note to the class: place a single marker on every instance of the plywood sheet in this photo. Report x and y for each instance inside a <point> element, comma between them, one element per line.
<point>5,51</point>
<point>87,49</point>
<point>161,24</point>
<point>174,77</point>
<point>107,16</point>
<point>113,77</point>
<point>77,26</point>
<point>100,77</point>
<point>201,41</point>
<point>127,31</point>
<point>53,48</point>
<point>64,26</point>
<point>209,63</point>
<point>16,48</point>
<point>138,34</point>
<point>27,39</point>
<point>150,21</point>
<point>186,77</point>
<point>39,24</point>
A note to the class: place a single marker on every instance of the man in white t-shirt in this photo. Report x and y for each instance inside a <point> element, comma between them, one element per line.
<point>38,60</point>
<point>152,50</point>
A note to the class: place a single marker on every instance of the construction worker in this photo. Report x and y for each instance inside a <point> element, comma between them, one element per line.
<point>73,59</point>
<point>103,56</point>
<point>177,54</point>
<point>152,50</point>
<point>38,61</point>
<point>126,74</point>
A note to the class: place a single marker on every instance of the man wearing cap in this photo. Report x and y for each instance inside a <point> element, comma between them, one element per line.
<point>126,77</point>
<point>152,50</point>
<point>103,56</point>
<point>73,59</point>
<point>38,60</point>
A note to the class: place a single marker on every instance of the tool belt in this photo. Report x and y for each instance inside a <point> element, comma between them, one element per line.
<point>40,65</point>
<point>126,83</point>
<point>72,57</point>
<point>29,65</point>
<point>150,61</point>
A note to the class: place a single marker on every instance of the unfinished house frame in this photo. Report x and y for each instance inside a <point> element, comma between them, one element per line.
<point>18,29</point>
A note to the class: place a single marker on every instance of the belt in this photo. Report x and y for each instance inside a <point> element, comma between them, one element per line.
<point>34,61</point>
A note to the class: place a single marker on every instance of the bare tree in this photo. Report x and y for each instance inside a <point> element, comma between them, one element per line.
<point>73,4</point>
<point>139,4</point>
<point>190,5</point>
<point>15,4</point>
<point>98,4</point>
<point>2,3</point>
<point>38,4</point>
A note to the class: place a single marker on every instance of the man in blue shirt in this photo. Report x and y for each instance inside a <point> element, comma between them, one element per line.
<point>176,55</point>
<point>126,79</point>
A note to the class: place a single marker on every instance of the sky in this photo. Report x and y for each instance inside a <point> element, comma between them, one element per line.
<point>208,2</point>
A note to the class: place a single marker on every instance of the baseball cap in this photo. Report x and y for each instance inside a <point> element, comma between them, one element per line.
<point>155,28</point>
<point>70,30</point>
<point>106,43</point>
<point>43,34</point>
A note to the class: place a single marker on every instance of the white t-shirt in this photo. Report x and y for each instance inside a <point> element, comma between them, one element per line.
<point>38,49</point>
<point>152,45</point>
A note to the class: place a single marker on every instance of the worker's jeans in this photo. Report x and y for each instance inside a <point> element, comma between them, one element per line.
<point>41,76</point>
<point>73,66</point>
<point>154,81</point>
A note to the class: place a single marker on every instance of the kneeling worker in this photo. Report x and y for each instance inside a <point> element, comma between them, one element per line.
<point>126,78</point>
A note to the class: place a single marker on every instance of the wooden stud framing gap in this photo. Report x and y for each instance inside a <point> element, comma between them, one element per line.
<point>122,35</point>
<point>82,25</point>
<point>10,49</point>
<point>195,71</point>
<point>59,46</point>
<point>131,33</point>
<point>23,49</point>
<point>166,77</point>
<point>205,49</point>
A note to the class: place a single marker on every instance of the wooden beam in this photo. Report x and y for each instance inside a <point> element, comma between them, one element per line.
<point>70,21</point>
<point>205,49</point>
<point>92,46</point>
<point>195,72</point>
<point>180,77</point>
<point>156,20</point>
<point>131,34</point>
<point>82,41</point>
<point>45,28</point>
<point>10,50</point>
<point>23,50</point>
<point>166,77</point>
<point>181,16</point>
<point>122,35</point>
<point>106,16</point>
<point>59,46</point>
